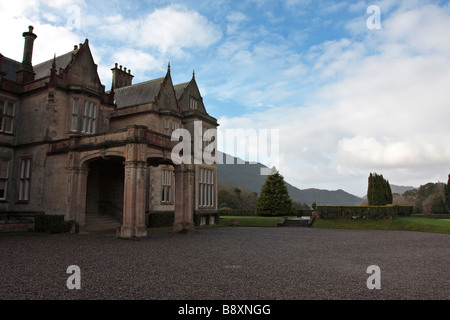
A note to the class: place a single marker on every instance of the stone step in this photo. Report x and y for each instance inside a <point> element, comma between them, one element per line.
<point>98,222</point>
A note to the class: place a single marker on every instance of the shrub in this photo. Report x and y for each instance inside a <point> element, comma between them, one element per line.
<point>237,212</point>
<point>54,224</point>
<point>274,199</point>
<point>363,212</point>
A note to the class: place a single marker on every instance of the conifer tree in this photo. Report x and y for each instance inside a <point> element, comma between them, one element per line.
<point>274,198</point>
<point>379,191</point>
<point>447,194</point>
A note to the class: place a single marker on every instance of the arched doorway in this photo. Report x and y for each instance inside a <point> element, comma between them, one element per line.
<point>105,193</point>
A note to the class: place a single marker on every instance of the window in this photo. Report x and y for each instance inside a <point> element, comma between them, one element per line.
<point>75,115</point>
<point>166,186</point>
<point>166,126</point>
<point>206,192</point>
<point>167,101</point>
<point>6,116</point>
<point>193,104</point>
<point>25,179</point>
<point>87,112</point>
<point>4,176</point>
<point>88,117</point>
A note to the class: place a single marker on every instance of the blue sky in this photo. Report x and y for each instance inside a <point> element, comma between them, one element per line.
<point>347,100</point>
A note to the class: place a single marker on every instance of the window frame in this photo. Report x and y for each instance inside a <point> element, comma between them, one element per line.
<point>7,116</point>
<point>84,116</point>
<point>206,188</point>
<point>193,103</point>
<point>25,179</point>
<point>5,179</point>
<point>166,186</point>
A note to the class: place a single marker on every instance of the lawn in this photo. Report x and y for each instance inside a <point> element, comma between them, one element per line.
<point>400,223</point>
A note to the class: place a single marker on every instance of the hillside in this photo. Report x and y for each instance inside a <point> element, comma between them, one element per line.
<point>248,176</point>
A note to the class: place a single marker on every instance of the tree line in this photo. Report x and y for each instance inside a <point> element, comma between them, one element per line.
<point>274,197</point>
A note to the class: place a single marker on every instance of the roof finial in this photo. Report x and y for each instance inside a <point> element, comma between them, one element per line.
<point>193,74</point>
<point>53,71</point>
<point>168,67</point>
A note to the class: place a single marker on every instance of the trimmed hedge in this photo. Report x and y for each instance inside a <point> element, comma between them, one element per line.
<point>363,212</point>
<point>237,212</point>
<point>252,212</point>
<point>54,224</point>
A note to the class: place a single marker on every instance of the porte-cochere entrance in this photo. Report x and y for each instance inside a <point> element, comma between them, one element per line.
<point>111,178</point>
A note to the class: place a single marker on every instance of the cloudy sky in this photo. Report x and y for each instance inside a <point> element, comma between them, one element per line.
<point>352,87</point>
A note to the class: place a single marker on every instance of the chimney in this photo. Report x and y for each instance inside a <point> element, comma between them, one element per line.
<point>26,72</point>
<point>121,78</point>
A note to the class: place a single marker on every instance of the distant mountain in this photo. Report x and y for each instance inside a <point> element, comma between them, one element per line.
<point>401,189</point>
<point>398,189</point>
<point>248,175</point>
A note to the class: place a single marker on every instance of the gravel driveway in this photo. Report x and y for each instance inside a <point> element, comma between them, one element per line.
<point>228,263</point>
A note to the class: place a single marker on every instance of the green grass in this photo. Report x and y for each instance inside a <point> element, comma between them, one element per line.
<point>400,223</point>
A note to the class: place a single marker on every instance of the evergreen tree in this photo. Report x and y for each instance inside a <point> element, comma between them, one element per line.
<point>379,191</point>
<point>274,198</point>
<point>447,194</point>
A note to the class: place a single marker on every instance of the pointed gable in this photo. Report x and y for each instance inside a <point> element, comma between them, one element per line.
<point>189,96</point>
<point>167,98</point>
<point>82,69</point>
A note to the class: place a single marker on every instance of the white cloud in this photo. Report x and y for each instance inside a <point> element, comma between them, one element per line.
<point>169,30</point>
<point>382,108</point>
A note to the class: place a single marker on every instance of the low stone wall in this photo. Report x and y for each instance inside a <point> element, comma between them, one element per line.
<point>17,222</point>
<point>298,222</point>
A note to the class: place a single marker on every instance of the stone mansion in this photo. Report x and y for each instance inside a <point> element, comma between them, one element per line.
<point>69,147</point>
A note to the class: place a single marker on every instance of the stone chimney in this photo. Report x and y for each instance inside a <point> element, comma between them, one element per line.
<point>121,78</point>
<point>26,72</point>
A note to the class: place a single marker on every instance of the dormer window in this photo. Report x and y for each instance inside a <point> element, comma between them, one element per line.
<point>193,103</point>
<point>166,126</point>
<point>84,116</point>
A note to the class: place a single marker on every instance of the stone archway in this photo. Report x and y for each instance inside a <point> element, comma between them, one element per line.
<point>104,189</point>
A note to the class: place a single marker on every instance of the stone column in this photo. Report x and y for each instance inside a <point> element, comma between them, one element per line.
<point>134,192</point>
<point>76,194</point>
<point>184,198</point>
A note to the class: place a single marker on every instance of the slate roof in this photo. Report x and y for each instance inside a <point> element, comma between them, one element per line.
<point>42,70</point>
<point>136,94</point>
<point>10,67</point>
<point>179,89</point>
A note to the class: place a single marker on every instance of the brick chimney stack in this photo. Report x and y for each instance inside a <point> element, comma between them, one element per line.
<point>121,78</point>
<point>26,72</point>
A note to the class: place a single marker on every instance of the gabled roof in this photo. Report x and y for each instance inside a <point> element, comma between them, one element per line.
<point>137,94</point>
<point>10,67</point>
<point>179,88</point>
<point>42,70</point>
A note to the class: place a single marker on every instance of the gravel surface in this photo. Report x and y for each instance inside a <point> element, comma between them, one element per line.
<point>228,263</point>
